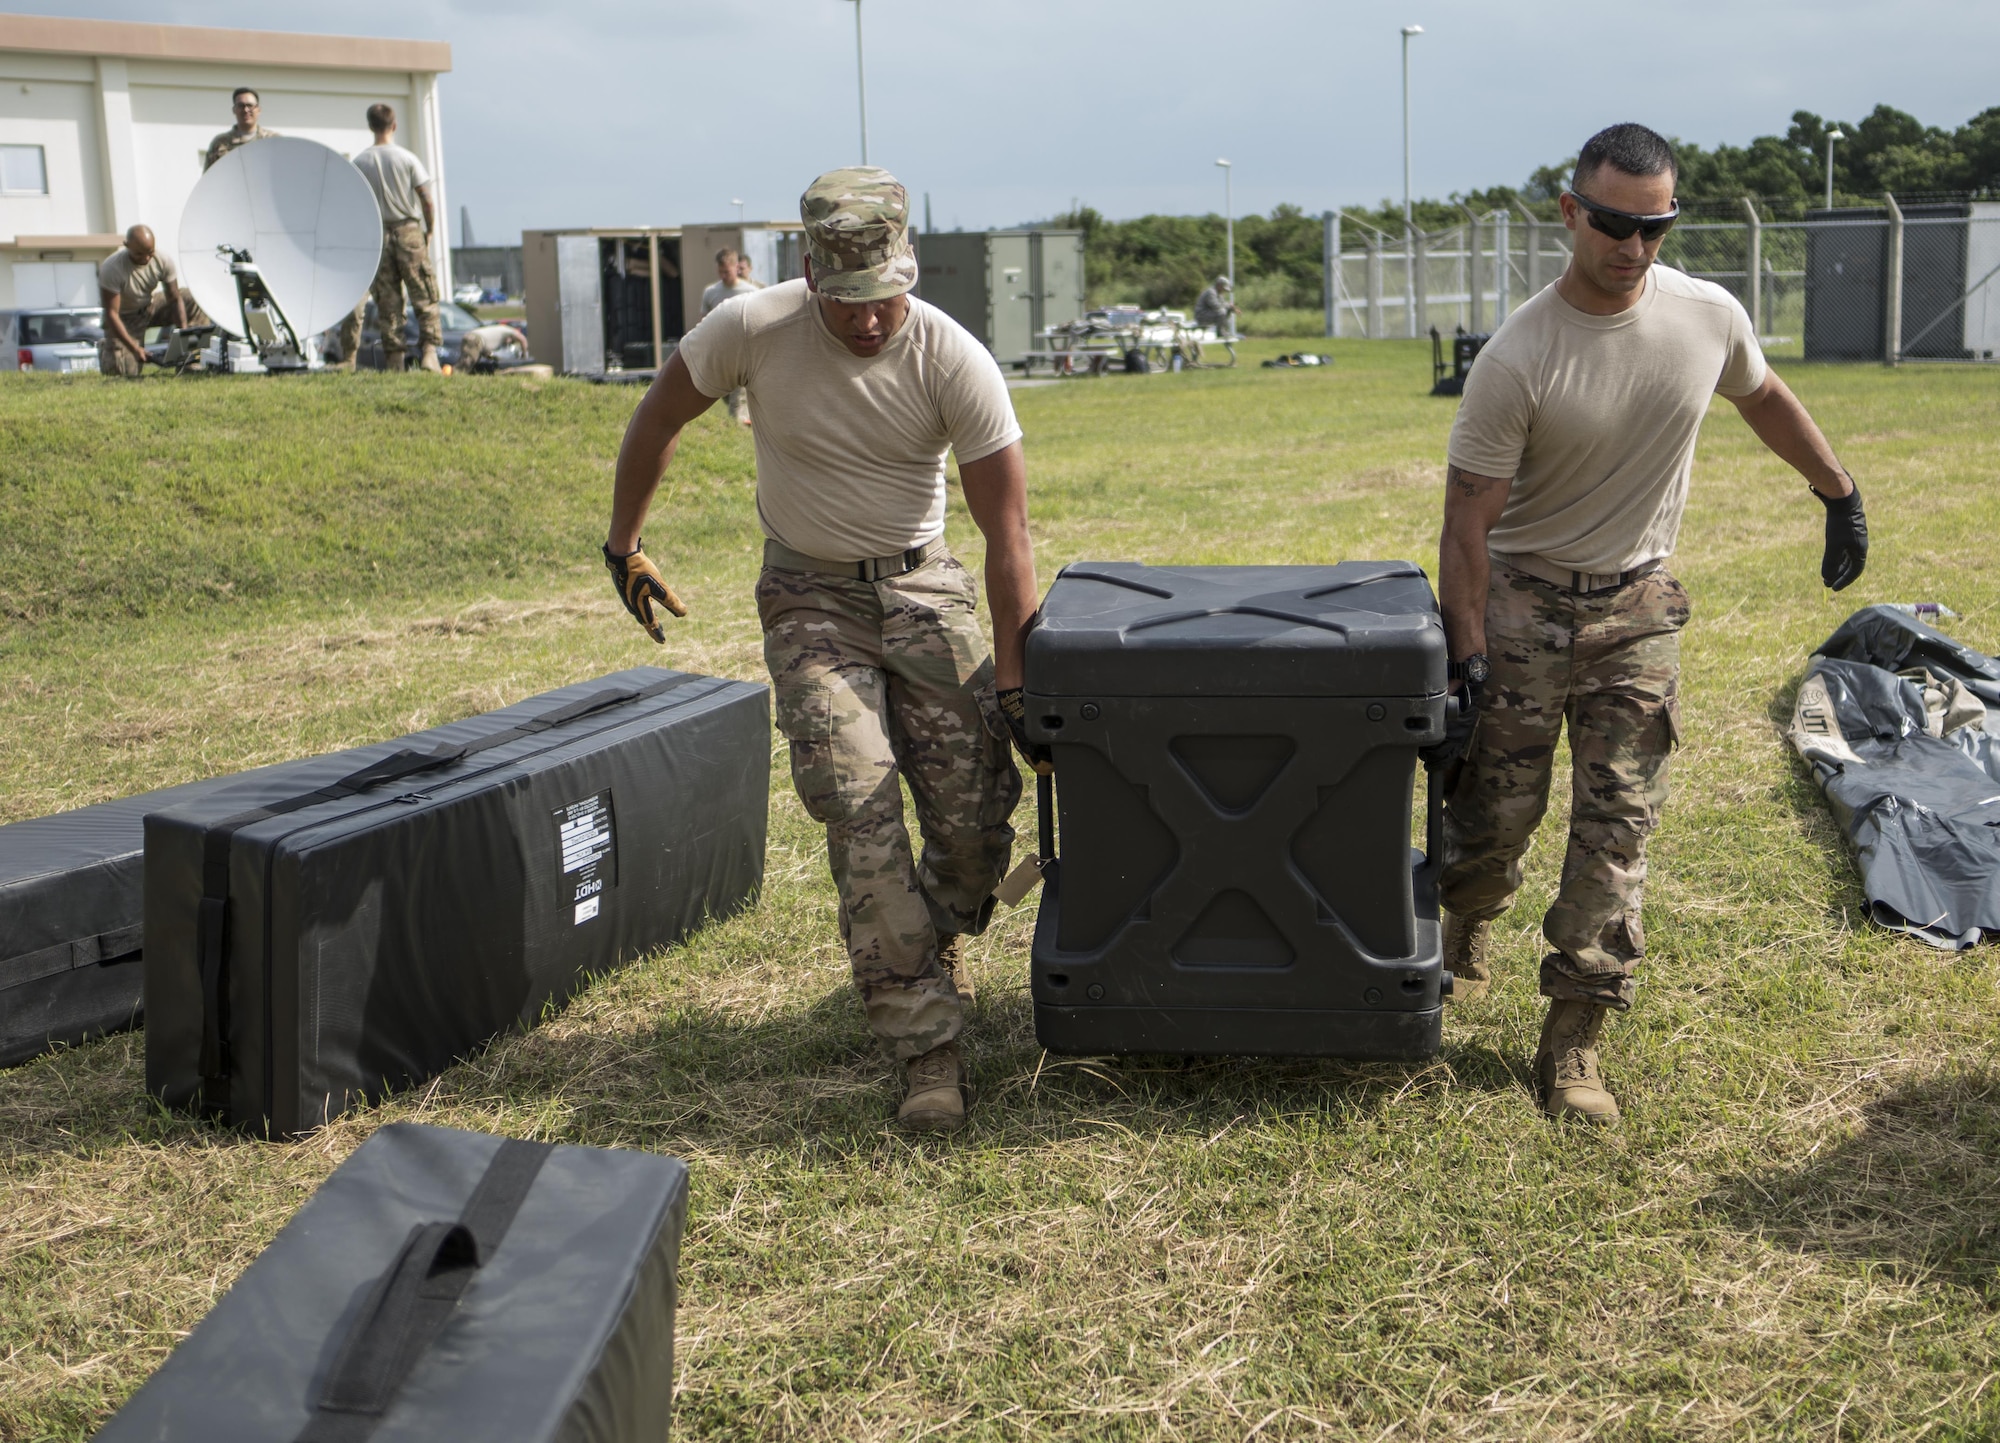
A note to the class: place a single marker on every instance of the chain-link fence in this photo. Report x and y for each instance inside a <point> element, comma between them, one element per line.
<point>1902,281</point>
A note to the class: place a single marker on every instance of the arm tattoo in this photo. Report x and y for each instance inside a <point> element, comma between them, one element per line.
<point>1468,485</point>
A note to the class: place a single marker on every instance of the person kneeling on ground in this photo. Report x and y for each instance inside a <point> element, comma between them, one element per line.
<point>481,342</point>
<point>1568,472</point>
<point>138,287</point>
<point>881,676</point>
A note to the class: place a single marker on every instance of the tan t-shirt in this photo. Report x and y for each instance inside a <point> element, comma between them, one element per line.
<point>850,451</point>
<point>1595,418</point>
<point>395,175</point>
<point>132,283</point>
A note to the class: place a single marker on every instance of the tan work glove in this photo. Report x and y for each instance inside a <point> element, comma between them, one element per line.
<point>639,585</point>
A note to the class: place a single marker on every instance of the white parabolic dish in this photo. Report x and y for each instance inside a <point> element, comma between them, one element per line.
<point>308,220</point>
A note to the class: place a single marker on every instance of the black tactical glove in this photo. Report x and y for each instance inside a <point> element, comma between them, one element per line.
<point>1846,539</point>
<point>1014,711</point>
<point>639,585</point>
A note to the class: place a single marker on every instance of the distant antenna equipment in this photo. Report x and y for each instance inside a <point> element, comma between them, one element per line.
<point>279,242</point>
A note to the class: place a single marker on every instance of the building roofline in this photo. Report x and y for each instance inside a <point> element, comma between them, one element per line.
<point>136,41</point>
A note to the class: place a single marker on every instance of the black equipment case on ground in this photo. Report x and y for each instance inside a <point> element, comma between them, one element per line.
<point>71,920</point>
<point>1235,750</point>
<point>443,1285</point>
<point>317,940</point>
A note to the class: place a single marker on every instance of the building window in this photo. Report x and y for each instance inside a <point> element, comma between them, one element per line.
<point>23,171</point>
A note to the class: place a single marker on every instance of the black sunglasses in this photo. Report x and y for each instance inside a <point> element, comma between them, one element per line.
<point>1620,224</point>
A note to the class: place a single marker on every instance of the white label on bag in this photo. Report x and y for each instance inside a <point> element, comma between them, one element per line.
<point>586,846</point>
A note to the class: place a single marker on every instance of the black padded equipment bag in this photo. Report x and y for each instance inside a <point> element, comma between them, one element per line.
<point>1235,754</point>
<point>71,920</point>
<point>316,941</point>
<point>442,1285</point>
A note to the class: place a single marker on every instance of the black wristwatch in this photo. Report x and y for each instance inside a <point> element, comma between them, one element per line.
<point>1474,668</point>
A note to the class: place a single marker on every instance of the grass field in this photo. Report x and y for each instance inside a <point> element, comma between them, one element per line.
<point>1792,1236</point>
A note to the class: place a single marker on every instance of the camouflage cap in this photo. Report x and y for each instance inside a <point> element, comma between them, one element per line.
<point>858,234</point>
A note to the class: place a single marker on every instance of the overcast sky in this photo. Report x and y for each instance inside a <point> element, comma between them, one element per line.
<point>609,112</point>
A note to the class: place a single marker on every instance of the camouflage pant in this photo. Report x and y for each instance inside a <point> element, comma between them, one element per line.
<point>406,262</point>
<point>876,680</point>
<point>1609,664</point>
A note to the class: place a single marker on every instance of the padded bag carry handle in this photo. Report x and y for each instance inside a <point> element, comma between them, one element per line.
<point>212,915</point>
<point>415,1298</point>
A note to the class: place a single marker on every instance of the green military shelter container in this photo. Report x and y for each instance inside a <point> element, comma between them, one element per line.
<point>1004,286</point>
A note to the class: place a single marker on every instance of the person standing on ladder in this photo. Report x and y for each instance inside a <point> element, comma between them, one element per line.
<point>1568,473</point>
<point>871,635</point>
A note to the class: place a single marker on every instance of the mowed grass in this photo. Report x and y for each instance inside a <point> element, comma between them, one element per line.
<point>1792,1236</point>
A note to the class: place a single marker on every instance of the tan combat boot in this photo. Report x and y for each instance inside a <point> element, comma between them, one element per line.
<point>429,361</point>
<point>953,966</point>
<point>394,361</point>
<point>1566,1065</point>
<point>936,1098</point>
<point>1465,957</point>
<point>345,363</point>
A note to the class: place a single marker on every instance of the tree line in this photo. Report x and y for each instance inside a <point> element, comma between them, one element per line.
<point>1165,260</point>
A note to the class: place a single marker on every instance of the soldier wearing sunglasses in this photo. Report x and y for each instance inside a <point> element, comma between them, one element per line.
<point>1569,467</point>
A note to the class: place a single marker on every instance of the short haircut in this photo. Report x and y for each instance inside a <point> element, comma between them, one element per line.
<point>1628,149</point>
<point>727,253</point>
<point>381,116</point>
<point>242,90</point>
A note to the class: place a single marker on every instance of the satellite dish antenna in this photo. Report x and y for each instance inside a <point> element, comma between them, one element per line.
<point>303,221</point>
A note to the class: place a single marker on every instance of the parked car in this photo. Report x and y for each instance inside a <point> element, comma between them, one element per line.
<point>56,339</point>
<point>456,321</point>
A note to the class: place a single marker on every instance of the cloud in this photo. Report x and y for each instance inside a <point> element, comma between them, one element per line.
<point>617,111</point>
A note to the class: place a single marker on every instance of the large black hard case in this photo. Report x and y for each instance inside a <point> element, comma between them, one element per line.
<point>1235,750</point>
<point>72,914</point>
<point>310,950</point>
<point>562,1329</point>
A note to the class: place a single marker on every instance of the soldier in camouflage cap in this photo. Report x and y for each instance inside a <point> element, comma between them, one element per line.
<point>882,678</point>
<point>858,234</point>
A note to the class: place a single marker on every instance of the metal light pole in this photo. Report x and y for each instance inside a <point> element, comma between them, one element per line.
<point>860,82</point>
<point>1831,137</point>
<point>1409,225</point>
<point>1229,232</point>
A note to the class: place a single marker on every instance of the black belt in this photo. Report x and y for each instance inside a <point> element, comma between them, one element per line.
<point>781,557</point>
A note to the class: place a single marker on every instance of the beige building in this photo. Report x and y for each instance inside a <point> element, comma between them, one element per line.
<point>103,125</point>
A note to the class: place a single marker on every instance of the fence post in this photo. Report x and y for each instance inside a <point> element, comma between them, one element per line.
<point>1472,270</point>
<point>1374,285</point>
<point>1329,270</point>
<point>1534,249</point>
<point>1892,299</point>
<point>1420,282</point>
<point>1502,269</point>
<point>1753,265</point>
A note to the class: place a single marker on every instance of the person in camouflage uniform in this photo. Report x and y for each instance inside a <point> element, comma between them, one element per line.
<point>1568,472</point>
<point>881,676</point>
<point>402,189</point>
<point>248,106</point>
